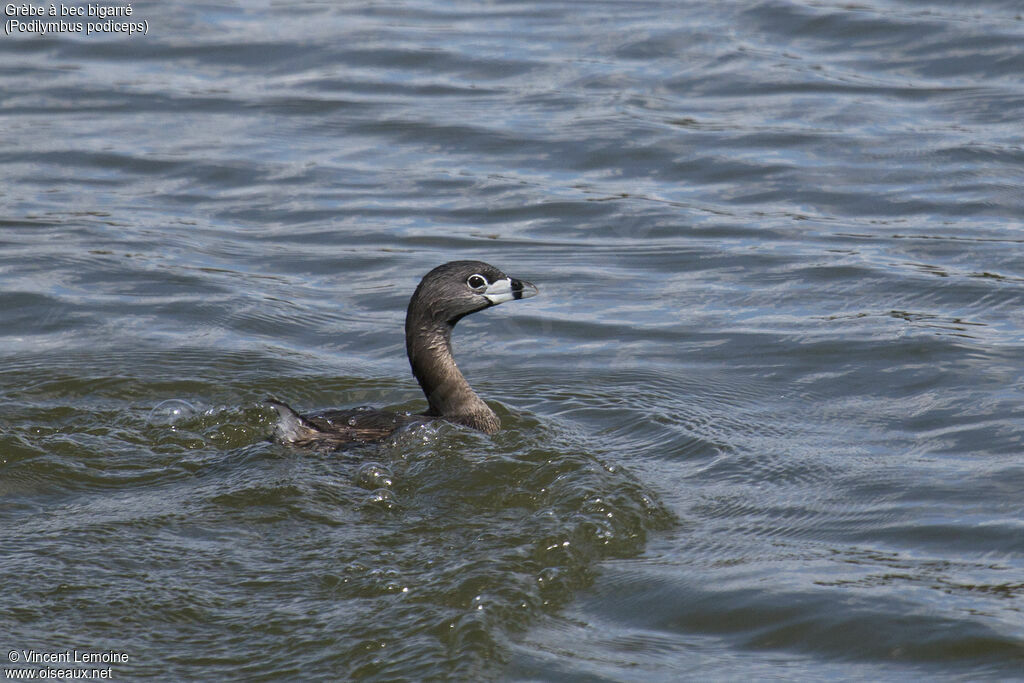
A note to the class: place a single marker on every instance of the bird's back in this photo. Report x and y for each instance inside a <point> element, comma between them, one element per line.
<point>335,428</point>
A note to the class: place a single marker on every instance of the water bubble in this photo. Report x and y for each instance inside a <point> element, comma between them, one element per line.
<point>171,411</point>
<point>373,476</point>
<point>381,499</point>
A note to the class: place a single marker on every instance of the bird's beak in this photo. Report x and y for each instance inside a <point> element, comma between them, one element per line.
<point>509,289</point>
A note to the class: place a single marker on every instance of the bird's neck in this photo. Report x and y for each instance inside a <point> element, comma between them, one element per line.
<point>429,345</point>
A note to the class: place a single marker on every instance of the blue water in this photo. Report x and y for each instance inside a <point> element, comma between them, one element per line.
<point>765,419</point>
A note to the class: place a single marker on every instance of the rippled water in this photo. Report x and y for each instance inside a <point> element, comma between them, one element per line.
<point>764,421</point>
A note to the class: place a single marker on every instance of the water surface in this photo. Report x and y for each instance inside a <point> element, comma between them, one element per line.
<point>764,421</point>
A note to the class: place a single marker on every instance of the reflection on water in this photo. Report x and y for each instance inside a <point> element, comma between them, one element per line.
<point>765,416</point>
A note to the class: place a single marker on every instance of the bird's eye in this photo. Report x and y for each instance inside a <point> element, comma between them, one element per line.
<point>476,281</point>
